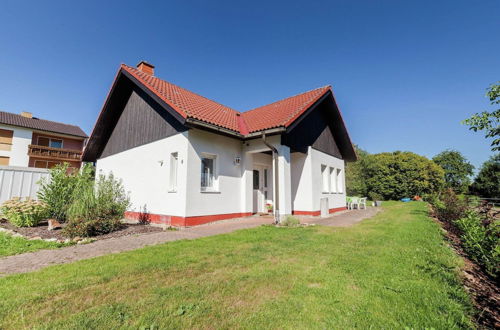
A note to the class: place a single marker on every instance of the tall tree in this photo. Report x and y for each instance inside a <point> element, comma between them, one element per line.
<point>394,175</point>
<point>354,176</point>
<point>487,181</point>
<point>457,170</point>
<point>488,121</point>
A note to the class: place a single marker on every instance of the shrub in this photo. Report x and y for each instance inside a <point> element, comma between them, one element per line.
<point>86,228</point>
<point>106,200</point>
<point>290,221</point>
<point>57,190</point>
<point>373,196</point>
<point>97,209</point>
<point>450,206</point>
<point>481,241</point>
<point>24,213</point>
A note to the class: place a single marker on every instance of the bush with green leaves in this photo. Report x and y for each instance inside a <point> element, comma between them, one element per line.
<point>91,227</point>
<point>477,227</point>
<point>97,208</point>
<point>450,206</point>
<point>24,213</point>
<point>481,241</point>
<point>57,190</point>
<point>290,221</point>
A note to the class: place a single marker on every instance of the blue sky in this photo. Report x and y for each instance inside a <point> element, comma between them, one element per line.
<point>405,73</point>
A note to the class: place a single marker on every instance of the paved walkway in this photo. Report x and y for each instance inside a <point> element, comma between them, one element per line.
<point>35,260</point>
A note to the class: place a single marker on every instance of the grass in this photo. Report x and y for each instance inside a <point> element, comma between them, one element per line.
<point>391,271</point>
<point>10,245</point>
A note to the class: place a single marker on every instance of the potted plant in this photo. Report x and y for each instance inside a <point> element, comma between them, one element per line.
<point>269,208</point>
<point>376,198</point>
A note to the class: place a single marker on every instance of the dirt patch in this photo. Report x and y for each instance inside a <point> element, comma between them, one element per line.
<point>482,288</point>
<point>42,232</point>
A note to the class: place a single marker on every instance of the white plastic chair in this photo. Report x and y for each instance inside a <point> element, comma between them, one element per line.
<point>354,202</point>
<point>362,202</point>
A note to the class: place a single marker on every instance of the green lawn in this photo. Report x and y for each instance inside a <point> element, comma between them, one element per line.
<point>391,271</point>
<point>14,245</point>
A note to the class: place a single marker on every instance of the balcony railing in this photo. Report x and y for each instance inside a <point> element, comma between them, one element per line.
<point>54,153</point>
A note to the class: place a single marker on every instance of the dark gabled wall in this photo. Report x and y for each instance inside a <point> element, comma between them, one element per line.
<point>142,121</point>
<point>314,130</point>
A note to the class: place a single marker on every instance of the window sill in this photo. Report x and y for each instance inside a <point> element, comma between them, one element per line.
<point>172,191</point>
<point>210,191</point>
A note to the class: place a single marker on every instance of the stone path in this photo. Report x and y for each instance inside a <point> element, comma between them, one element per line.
<point>35,260</point>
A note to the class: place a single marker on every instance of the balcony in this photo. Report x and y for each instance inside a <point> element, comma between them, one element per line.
<point>54,153</point>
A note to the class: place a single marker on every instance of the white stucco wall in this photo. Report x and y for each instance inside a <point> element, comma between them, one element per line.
<point>20,140</point>
<point>145,171</point>
<point>319,158</point>
<point>307,181</point>
<point>227,196</point>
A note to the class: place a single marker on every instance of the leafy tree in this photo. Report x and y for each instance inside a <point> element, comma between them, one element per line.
<point>395,175</point>
<point>487,181</point>
<point>457,170</point>
<point>488,121</point>
<point>355,181</point>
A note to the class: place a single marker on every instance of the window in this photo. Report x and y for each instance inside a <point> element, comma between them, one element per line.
<point>326,179</point>
<point>4,160</point>
<point>50,142</point>
<point>256,179</point>
<point>6,139</point>
<point>340,181</point>
<point>174,156</point>
<point>265,178</point>
<point>208,178</point>
<point>333,183</point>
<point>56,143</point>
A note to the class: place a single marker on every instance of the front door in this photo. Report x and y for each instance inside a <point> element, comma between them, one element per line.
<point>259,189</point>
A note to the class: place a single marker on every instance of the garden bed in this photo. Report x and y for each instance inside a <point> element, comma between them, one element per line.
<point>484,291</point>
<point>41,231</point>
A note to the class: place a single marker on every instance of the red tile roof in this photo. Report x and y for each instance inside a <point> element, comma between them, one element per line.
<point>13,119</point>
<point>283,112</point>
<point>191,105</point>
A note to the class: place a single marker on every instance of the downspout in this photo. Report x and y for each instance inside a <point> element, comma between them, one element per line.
<point>276,205</point>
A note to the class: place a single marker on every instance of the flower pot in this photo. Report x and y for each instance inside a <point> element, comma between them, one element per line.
<point>378,203</point>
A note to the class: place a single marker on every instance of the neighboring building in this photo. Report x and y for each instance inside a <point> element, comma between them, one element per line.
<point>187,160</point>
<point>32,142</point>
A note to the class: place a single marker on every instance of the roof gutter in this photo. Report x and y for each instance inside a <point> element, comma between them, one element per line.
<point>202,124</point>
<point>276,179</point>
<point>199,123</point>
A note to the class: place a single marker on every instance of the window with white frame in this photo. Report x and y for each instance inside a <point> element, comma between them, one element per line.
<point>333,180</point>
<point>326,180</point>
<point>174,159</point>
<point>340,181</point>
<point>208,174</point>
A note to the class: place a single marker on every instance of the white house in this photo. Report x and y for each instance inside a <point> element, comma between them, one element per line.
<point>28,141</point>
<point>187,160</point>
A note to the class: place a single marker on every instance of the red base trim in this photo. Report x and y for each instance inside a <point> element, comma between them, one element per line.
<point>172,220</point>
<point>316,213</point>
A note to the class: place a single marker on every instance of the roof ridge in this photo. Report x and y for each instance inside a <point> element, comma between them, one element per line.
<point>185,89</point>
<point>289,97</point>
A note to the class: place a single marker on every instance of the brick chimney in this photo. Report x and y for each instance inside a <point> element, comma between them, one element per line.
<point>26,114</point>
<point>146,67</point>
